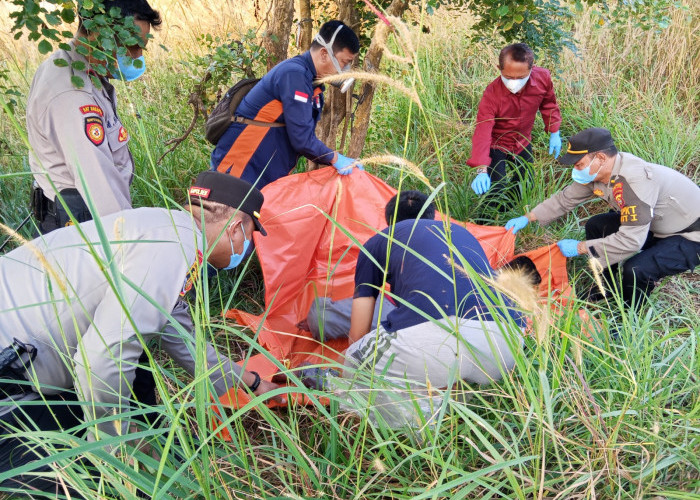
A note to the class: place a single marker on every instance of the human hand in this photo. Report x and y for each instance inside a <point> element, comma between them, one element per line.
<point>481,183</point>
<point>569,248</point>
<point>517,223</point>
<point>344,164</point>
<point>266,386</point>
<point>555,144</point>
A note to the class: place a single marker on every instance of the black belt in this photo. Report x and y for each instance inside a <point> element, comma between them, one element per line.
<point>13,379</point>
<point>695,226</point>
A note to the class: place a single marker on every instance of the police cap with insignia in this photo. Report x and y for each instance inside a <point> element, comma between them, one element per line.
<point>587,141</point>
<point>229,190</point>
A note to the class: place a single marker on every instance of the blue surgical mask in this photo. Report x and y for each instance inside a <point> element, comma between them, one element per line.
<point>237,258</point>
<point>583,176</point>
<point>127,71</point>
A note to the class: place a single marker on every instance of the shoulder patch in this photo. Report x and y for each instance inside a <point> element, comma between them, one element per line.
<point>123,134</point>
<point>94,130</point>
<point>91,109</point>
<point>192,274</point>
<point>618,195</point>
<point>301,96</point>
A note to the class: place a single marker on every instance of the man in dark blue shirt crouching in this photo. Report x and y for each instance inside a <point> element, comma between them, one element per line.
<point>446,326</point>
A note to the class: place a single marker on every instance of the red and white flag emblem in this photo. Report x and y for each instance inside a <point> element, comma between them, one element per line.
<point>300,96</point>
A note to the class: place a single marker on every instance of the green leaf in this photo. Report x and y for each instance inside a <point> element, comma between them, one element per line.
<point>77,82</point>
<point>45,47</point>
<point>518,18</point>
<point>61,63</point>
<point>78,65</point>
<point>52,19</point>
<point>64,46</point>
<point>68,15</point>
<point>96,82</point>
<point>502,10</point>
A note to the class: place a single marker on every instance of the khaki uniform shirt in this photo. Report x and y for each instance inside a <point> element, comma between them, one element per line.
<point>649,197</point>
<point>74,129</point>
<point>81,305</point>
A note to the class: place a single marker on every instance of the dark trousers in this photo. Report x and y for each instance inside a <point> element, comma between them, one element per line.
<point>509,175</point>
<point>659,257</point>
<point>16,451</point>
<point>51,214</point>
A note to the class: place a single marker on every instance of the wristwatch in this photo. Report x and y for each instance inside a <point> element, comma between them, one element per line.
<point>482,170</point>
<point>256,383</point>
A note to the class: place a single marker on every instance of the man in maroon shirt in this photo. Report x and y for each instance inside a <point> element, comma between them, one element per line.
<point>504,122</point>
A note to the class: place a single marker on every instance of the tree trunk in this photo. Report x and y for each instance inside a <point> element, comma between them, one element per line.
<point>306,25</point>
<point>279,27</point>
<point>373,59</point>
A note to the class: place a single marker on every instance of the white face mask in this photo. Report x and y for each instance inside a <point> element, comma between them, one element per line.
<point>515,85</point>
<point>345,84</point>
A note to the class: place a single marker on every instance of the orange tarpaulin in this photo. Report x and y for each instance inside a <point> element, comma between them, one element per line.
<point>307,254</point>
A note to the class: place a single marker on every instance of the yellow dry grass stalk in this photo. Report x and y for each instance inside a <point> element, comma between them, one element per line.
<point>39,256</point>
<point>597,269</point>
<point>397,160</point>
<point>517,286</point>
<point>377,78</point>
<point>404,39</point>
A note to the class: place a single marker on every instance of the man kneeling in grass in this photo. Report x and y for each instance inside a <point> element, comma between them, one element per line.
<point>445,327</point>
<point>80,303</point>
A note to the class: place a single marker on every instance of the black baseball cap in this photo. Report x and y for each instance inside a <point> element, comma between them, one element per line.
<point>229,190</point>
<point>587,141</point>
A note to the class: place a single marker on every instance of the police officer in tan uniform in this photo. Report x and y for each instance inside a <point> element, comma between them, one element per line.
<point>653,229</point>
<point>85,311</point>
<point>76,132</point>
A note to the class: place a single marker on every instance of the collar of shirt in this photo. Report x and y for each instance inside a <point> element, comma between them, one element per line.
<point>74,55</point>
<point>616,167</point>
<point>309,62</point>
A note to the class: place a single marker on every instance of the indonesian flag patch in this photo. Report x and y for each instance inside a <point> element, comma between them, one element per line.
<point>301,96</point>
<point>94,130</point>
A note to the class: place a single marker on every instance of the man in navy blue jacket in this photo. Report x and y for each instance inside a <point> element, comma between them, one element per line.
<point>275,122</point>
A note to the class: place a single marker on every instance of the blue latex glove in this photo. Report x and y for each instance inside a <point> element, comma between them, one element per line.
<point>517,224</point>
<point>555,144</point>
<point>482,183</point>
<point>568,247</point>
<point>344,165</point>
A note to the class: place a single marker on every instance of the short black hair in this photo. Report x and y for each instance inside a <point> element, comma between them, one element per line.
<point>345,39</point>
<point>518,52</point>
<point>609,152</point>
<point>527,266</point>
<point>138,9</point>
<point>410,205</point>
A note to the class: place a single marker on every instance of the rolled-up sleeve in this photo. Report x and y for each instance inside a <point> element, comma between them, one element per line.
<point>180,345</point>
<point>635,222</point>
<point>562,203</point>
<point>481,139</point>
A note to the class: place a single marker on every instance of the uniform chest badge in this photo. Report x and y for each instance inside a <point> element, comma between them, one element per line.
<point>123,135</point>
<point>617,194</point>
<point>94,130</point>
<point>192,274</point>
<point>598,193</point>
